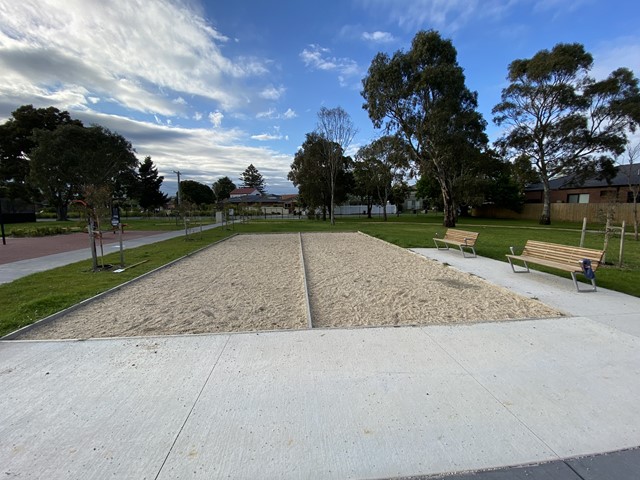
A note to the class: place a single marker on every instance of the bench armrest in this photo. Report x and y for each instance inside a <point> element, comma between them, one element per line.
<point>513,252</point>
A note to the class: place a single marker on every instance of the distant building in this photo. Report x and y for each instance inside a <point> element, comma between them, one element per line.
<point>569,190</point>
<point>244,191</point>
<point>412,202</point>
<point>268,204</point>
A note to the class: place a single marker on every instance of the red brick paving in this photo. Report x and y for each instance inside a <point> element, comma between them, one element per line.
<point>33,247</point>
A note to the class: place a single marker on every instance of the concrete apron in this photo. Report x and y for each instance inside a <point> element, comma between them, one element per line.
<point>360,403</point>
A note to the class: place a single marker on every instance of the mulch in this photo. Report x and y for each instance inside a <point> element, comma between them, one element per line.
<point>33,247</point>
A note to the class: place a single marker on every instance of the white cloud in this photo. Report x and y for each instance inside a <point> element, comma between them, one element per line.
<point>197,116</point>
<point>216,118</point>
<point>378,37</point>
<point>201,154</point>
<point>53,46</point>
<point>289,114</point>
<point>273,114</point>
<point>319,58</point>
<point>263,137</point>
<point>272,93</point>
<point>616,53</point>
<point>447,15</point>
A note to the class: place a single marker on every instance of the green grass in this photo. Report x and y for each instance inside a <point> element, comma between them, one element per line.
<point>37,296</point>
<point>147,224</point>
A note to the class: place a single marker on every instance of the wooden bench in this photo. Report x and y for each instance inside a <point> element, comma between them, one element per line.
<point>460,238</point>
<point>561,257</point>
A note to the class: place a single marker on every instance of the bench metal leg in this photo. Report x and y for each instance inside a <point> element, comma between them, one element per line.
<point>446,245</point>
<point>575,282</point>
<point>526,266</point>
<point>473,250</point>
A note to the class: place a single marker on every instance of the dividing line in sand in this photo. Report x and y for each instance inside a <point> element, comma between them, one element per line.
<point>306,286</point>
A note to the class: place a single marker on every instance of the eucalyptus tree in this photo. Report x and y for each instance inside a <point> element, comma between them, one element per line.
<point>17,141</point>
<point>421,94</point>
<point>196,193</point>
<point>563,120</point>
<point>379,166</point>
<point>312,175</point>
<point>71,161</point>
<point>222,188</point>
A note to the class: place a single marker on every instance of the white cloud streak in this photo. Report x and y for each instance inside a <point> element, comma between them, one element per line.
<point>316,57</point>
<point>124,52</point>
<point>201,154</point>
<point>378,37</point>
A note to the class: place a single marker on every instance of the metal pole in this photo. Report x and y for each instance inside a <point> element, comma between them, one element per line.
<point>621,244</point>
<point>4,240</point>
<point>178,192</point>
<point>120,231</point>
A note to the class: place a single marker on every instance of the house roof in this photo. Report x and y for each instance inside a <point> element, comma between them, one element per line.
<point>255,199</point>
<point>288,197</point>
<point>625,174</point>
<point>243,191</point>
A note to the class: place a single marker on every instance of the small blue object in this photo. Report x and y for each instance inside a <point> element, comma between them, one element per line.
<point>587,270</point>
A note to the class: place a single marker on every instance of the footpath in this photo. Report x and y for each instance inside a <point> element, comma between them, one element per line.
<point>552,399</point>
<point>24,256</point>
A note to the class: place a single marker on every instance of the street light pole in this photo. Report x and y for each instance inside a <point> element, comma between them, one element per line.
<point>177,172</point>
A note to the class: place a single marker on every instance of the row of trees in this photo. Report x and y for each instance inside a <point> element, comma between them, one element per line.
<point>201,194</point>
<point>557,120</point>
<point>47,155</point>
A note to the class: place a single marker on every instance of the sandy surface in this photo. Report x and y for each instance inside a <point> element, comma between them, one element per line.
<point>359,280</point>
<point>244,283</point>
<point>255,282</point>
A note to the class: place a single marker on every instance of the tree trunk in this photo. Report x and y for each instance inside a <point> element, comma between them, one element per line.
<point>635,214</point>
<point>449,206</point>
<point>332,214</point>
<point>545,217</point>
<point>62,212</point>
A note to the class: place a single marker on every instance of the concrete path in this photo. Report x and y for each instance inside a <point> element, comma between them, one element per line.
<point>14,270</point>
<point>335,404</point>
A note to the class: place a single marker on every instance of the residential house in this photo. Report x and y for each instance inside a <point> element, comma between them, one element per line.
<point>267,204</point>
<point>244,191</point>
<point>593,190</point>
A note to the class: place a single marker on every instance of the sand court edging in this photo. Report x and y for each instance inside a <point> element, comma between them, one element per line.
<point>259,283</point>
<point>44,321</point>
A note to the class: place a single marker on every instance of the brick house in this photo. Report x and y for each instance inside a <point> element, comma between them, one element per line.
<point>567,190</point>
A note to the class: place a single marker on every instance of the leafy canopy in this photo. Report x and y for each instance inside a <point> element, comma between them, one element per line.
<point>421,94</point>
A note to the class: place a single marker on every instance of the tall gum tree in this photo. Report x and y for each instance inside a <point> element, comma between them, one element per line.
<point>379,166</point>
<point>563,120</point>
<point>421,94</point>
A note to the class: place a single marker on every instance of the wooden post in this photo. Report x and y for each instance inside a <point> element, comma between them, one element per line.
<point>607,233</point>
<point>584,231</point>
<point>621,244</point>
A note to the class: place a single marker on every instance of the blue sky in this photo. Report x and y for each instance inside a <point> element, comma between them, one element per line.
<point>208,87</point>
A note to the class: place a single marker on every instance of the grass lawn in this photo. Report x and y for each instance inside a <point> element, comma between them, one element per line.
<point>148,224</point>
<point>37,296</point>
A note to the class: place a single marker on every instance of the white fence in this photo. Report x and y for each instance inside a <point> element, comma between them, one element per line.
<point>362,210</point>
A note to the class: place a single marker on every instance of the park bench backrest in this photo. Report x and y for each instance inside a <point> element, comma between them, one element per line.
<point>562,253</point>
<point>461,236</point>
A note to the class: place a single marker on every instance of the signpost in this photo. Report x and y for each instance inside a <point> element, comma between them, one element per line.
<point>117,224</point>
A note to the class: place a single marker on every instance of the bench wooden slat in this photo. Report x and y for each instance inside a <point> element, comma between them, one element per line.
<point>561,257</point>
<point>460,238</point>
